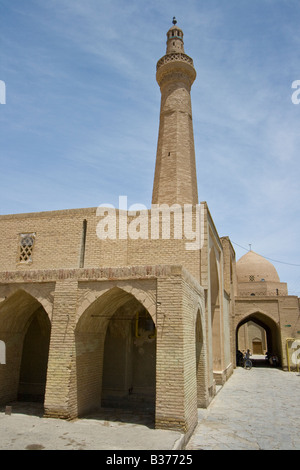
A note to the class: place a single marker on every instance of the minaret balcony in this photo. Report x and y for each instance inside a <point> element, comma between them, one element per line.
<point>175,56</point>
<point>175,66</point>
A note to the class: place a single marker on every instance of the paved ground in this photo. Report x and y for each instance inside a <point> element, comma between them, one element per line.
<point>103,431</point>
<point>256,409</point>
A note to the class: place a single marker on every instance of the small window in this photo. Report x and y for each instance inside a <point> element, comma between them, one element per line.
<point>251,278</point>
<point>26,247</point>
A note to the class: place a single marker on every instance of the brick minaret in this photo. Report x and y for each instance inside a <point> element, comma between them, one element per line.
<point>175,178</point>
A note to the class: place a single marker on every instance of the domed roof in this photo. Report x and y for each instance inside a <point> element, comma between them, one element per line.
<point>175,27</point>
<point>253,267</point>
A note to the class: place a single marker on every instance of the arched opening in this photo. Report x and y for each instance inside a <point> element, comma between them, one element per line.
<point>200,363</point>
<point>216,323</point>
<point>129,360</point>
<point>260,334</point>
<point>116,355</point>
<point>253,336</point>
<point>33,369</point>
<point>25,329</point>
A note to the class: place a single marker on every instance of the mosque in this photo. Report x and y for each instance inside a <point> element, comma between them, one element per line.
<point>99,308</point>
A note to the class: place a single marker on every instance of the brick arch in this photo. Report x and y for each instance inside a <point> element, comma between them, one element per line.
<point>201,362</point>
<point>42,296</point>
<point>215,309</point>
<point>270,325</point>
<point>199,316</point>
<point>200,307</point>
<point>92,297</point>
<point>93,342</point>
<point>23,304</point>
<point>261,315</point>
<point>25,328</point>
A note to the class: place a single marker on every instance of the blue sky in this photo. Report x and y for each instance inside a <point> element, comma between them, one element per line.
<point>80,123</point>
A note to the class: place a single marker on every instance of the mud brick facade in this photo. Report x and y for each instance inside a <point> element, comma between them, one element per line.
<point>138,321</point>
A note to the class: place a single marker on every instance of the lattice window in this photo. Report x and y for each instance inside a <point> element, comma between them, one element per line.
<point>26,247</point>
<point>251,278</point>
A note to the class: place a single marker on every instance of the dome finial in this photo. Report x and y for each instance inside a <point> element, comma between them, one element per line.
<point>174,21</point>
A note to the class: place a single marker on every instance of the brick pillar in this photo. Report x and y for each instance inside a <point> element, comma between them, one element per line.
<point>176,398</point>
<point>60,399</point>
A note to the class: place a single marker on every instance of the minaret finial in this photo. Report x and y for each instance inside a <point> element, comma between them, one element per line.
<point>174,20</point>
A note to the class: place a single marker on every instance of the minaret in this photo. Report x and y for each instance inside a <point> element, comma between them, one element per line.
<point>175,180</point>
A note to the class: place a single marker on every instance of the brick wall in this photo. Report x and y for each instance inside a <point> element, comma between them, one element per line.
<point>58,244</point>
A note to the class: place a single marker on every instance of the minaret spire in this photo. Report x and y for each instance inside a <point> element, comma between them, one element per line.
<point>175,178</point>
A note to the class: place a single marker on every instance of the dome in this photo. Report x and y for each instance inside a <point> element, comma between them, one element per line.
<point>255,268</point>
<point>176,30</point>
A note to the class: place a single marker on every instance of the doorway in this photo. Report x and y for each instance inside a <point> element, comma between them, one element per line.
<point>259,333</point>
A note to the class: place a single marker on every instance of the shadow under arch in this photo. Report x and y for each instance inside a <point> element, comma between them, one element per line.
<point>25,329</point>
<point>271,328</point>
<point>115,345</point>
